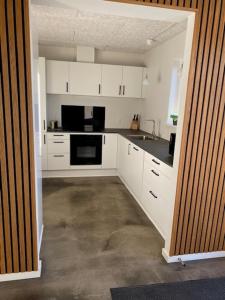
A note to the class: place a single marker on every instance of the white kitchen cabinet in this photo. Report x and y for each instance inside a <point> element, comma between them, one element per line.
<point>132,82</point>
<point>112,80</point>
<point>77,78</point>
<point>130,165</point>
<point>58,146</point>
<point>136,160</point>
<point>42,105</point>
<point>58,151</point>
<point>123,157</point>
<point>44,152</point>
<point>42,92</point>
<point>58,162</point>
<point>85,79</point>
<point>57,77</point>
<point>157,197</point>
<point>109,151</point>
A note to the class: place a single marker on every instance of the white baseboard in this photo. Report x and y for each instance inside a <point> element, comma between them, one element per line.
<point>190,257</point>
<point>22,275</point>
<point>40,240</point>
<point>79,173</point>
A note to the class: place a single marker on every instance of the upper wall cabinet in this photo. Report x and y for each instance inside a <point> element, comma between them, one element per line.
<point>112,80</point>
<point>85,79</point>
<point>57,76</point>
<point>122,81</point>
<point>132,82</point>
<point>77,78</point>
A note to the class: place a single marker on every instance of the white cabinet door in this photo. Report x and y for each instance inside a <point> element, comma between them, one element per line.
<point>85,79</point>
<point>109,151</point>
<point>112,80</point>
<point>44,152</point>
<point>57,77</point>
<point>42,92</point>
<point>136,170</point>
<point>132,82</point>
<point>122,156</point>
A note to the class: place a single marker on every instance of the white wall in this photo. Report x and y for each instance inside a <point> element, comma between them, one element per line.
<point>102,57</point>
<point>119,112</point>
<point>36,120</point>
<point>159,62</point>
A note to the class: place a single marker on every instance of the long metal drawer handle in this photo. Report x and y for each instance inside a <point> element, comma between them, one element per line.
<point>136,149</point>
<point>153,194</point>
<point>156,162</point>
<point>58,142</point>
<point>58,155</point>
<point>58,134</point>
<point>154,173</point>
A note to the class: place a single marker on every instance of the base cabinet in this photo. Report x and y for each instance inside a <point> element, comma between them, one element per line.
<point>130,164</point>
<point>109,151</point>
<point>150,181</point>
<point>58,153</point>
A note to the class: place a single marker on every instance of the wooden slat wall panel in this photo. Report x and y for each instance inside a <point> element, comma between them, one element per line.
<point>199,215</point>
<point>18,232</point>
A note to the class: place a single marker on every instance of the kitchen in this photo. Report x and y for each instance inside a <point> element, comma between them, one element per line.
<point>107,110</point>
<point>112,149</point>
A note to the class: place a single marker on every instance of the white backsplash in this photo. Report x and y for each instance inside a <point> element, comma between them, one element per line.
<point>119,112</point>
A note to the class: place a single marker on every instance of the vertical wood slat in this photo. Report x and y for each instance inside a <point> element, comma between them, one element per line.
<point>8,138</point>
<point>199,215</point>
<point>16,131</point>
<point>6,260</point>
<point>30,131</point>
<point>18,233</point>
<point>24,135</point>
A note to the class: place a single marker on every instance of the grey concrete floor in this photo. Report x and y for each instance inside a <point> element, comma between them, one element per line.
<point>96,237</point>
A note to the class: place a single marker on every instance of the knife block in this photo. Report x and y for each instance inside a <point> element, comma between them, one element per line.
<point>135,125</point>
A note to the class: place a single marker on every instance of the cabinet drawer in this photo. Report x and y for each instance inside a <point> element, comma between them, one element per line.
<point>58,136</point>
<point>156,208</point>
<point>161,183</point>
<point>58,146</point>
<point>58,161</point>
<point>158,165</point>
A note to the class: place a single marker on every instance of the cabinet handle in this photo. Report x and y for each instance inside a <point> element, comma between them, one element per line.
<point>156,162</point>
<point>153,194</point>
<point>129,149</point>
<point>58,135</point>
<point>67,86</point>
<point>58,142</point>
<point>99,89</point>
<point>58,155</point>
<point>44,139</point>
<point>123,90</point>
<point>104,139</point>
<point>44,124</point>
<point>120,87</point>
<point>136,149</point>
<point>154,173</point>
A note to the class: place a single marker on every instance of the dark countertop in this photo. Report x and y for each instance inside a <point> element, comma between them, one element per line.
<point>158,148</point>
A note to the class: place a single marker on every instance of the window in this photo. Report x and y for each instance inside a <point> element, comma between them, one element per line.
<point>174,90</point>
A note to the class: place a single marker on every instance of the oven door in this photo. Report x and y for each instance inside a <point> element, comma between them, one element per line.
<point>85,149</point>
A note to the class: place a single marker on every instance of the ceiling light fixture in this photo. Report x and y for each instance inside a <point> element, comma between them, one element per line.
<point>149,42</point>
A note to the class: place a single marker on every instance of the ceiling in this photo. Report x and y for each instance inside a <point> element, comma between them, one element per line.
<point>61,25</point>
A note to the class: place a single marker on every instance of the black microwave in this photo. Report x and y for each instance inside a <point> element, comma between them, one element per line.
<point>82,118</point>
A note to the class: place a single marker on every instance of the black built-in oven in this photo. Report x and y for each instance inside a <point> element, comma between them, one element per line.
<point>85,149</point>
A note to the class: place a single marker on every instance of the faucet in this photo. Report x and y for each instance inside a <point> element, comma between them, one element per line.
<point>153,130</point>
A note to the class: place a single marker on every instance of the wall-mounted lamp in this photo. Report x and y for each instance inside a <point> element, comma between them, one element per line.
<point>146,81</point>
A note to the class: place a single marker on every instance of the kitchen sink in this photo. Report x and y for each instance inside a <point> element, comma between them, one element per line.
<point>143,137</point>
